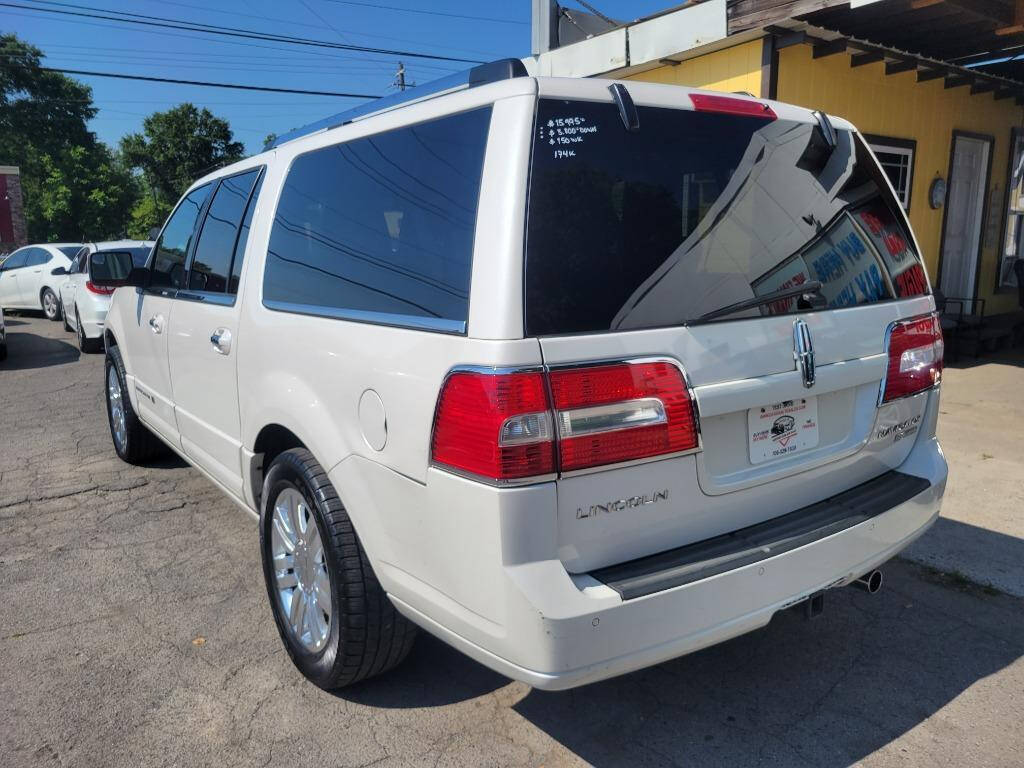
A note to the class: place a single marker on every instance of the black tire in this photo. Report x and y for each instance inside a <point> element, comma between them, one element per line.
<point>85,344</point>
<point>50,308</point>
<point>64,315</point>
<point>141,445</point>
<point>367,636</point>
<point>3,351</point>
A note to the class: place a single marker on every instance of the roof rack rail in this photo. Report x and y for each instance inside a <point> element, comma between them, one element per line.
<point>482,74</point>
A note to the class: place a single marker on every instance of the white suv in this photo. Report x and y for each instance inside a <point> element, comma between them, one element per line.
<point>578,376</point>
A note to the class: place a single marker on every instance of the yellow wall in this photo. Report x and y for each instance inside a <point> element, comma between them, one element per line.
<point>731,69</point>
<point>900,107</point>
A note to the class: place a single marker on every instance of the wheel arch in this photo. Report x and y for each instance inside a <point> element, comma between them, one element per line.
<point>272,440</point>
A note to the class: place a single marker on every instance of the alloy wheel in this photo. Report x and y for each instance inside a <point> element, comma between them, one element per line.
<point>118,426</point>
<point>303,584</point>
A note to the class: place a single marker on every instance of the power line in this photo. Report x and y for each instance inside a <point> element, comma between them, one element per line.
<point>238,43</point>
<point>429,13</point>
<point>189,26</point>
<point>236,86</point>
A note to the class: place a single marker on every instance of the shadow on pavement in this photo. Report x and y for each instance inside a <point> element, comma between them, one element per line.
<point>27,351</point>
<point>828,692</point>
<point>966,551</point>
<point>434,675</point>
<point>824,692</point>
<point>1013,356</point>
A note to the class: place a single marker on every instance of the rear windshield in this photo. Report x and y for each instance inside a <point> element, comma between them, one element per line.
<point>698,211</point>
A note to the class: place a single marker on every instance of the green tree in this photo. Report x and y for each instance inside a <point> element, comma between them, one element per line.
<point>75,188</point>
<point>176,147</point>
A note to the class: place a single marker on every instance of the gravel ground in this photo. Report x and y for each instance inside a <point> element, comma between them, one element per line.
<point>134,631</point>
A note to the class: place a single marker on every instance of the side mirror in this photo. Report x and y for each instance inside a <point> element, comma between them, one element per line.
<point>113,269</point>
<point>58,271</point>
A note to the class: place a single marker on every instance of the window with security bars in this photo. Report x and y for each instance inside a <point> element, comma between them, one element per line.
<point>896,156</point>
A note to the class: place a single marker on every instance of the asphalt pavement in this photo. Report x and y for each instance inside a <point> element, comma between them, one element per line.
<point>135,631</point>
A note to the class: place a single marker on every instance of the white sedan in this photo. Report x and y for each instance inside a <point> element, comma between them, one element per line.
<point>27,280</point>
<point>85,304</point>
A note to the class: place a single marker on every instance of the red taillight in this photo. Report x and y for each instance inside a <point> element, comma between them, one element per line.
<point>497,425</point>
<point>915,357</point>
<point>611,413</point>
<point>503,427</point>
<point>98,289</point>
<point>708,102</point>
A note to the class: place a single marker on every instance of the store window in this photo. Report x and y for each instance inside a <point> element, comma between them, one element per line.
<point>1013,240</point>
<point>896,156</point>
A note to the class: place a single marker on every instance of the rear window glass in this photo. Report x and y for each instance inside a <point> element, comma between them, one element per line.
<point>698,211</point>
<point>381,228</point>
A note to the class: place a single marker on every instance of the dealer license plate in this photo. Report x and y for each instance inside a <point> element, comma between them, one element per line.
<point>782,429</point>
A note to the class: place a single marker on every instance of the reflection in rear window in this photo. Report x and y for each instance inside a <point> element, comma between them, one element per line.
<point>698,211</point>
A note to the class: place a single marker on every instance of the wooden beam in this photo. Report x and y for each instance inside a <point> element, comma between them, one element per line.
<point>919,4</point>
<point>958,81</point>
<point>924,75</point>
<point>895,67</point>
<point>830,48</point>
<point>1018,20</point>
<point>860,59</point>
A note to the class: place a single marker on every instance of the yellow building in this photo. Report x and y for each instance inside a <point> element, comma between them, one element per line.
<point>932,84</point>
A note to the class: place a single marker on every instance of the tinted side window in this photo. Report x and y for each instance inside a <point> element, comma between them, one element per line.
<point>17,259</point>
<point>168,267</point>
<point>211,264</point>
<point>38,256</point>
<point>243,238</point>
<point>383,224</point>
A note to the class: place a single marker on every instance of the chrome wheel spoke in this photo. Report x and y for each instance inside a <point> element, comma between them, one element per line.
<point>297,612</point>
<point>282,532</point>
<point>287,579</point>
<point>117,420</point>
<point>301,578</point>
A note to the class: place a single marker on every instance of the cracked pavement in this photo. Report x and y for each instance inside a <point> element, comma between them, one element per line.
<point>134,631</point>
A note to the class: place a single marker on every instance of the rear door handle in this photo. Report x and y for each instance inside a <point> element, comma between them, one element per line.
<point>156,323</point>
<point>221,340</point>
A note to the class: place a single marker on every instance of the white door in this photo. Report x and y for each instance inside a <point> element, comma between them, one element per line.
<point>30,277</point>
<point>10,293</point>
<point>965,206</point>
<point>147,338</point>
<point>203,336</point>
<point>69,287</point>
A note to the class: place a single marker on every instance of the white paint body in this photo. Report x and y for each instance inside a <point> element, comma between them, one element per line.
<point>502,572</point>
<point>22,287</point>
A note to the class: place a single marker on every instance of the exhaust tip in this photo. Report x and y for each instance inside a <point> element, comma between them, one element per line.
<point>870,582</point>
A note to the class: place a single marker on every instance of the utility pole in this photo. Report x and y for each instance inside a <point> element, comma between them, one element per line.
<point>400,77</point>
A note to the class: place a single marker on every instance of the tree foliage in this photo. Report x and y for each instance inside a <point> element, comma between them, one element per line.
<point>74,187</point>
<point>178,146</point>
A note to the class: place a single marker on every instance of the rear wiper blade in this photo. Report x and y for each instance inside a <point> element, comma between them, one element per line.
<point>808,288</point>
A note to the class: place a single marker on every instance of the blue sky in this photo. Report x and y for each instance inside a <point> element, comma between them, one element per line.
<point>90,44</point>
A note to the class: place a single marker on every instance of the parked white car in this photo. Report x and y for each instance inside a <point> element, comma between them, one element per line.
<point>26,281</point>
<point>577,375</point>
<point>83,303</point>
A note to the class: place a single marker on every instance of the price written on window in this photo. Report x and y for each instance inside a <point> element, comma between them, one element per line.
<point>565,134</point>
